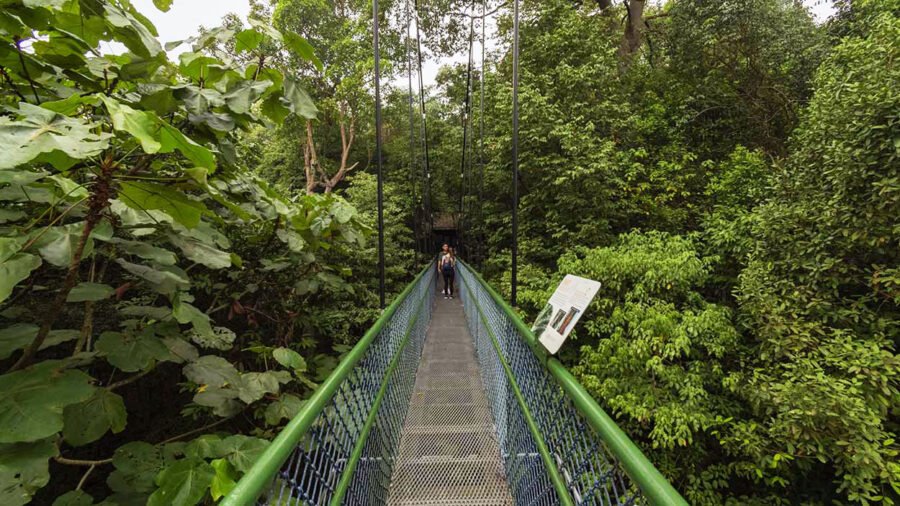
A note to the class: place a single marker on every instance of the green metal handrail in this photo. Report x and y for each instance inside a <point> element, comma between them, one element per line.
<point>555,478</point>
<point>347,476</point>
<point>654,486</point>
<point>267,466</point>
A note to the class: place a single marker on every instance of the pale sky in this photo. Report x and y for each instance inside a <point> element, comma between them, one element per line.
<point>182,20</point>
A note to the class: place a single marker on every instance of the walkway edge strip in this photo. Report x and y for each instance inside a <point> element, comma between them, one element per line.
<point>347,475</point>
<point>266,467</point>
<point>636,465</point>
<point>552,469</point>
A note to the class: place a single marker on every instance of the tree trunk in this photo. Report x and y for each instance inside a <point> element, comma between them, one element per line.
<point>316,176</point>
<point>634,29</point>
<point>309,160</point>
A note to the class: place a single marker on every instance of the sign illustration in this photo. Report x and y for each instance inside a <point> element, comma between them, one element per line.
<point>562,312</point>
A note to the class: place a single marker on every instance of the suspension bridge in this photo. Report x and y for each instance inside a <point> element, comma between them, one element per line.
<point>451,402</point>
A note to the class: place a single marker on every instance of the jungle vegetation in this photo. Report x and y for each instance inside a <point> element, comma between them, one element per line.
<point>186,243</point>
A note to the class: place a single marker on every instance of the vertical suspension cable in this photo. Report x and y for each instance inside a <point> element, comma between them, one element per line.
<point>378,152</point>
<point>417,246</point>
<point>427,168</point>
<point>481,138</point>
<point>465,145</point>
<point>515,154</point>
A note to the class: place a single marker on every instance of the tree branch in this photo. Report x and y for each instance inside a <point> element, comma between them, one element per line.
<point>25,73</point>
<point>79,462</point>
<point>12,84</point>
<point>99,200</point>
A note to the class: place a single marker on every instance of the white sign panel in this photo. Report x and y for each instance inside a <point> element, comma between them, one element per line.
<point>563,311</point>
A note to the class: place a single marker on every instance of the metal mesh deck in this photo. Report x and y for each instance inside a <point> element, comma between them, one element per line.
<point>449,453</point>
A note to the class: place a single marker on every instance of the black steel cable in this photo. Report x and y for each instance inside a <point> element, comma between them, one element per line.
<point>417,245</point>
<point>481,136</point>
<point>378,153</point>
<point>427,167</point>
<point>515,154</point>
<point>465,145</point>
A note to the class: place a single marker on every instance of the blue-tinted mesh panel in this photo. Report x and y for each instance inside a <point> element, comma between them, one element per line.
<point>589,470</point>
<point>311,474</point>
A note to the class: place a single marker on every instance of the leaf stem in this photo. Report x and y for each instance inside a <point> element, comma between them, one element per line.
<point>25,73</point>
<point>79,462</point>
<point>128,380</point>
<point>85,477</point>
<point>201,429</point>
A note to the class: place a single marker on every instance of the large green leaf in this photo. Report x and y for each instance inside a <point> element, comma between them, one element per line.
<point>254,385</point>
<point>184,483</point>
<point>187,313</point>
<point>38,131</point>
<point>143,125</point>
<point>300,102</point>
<point>213,371</point>
<point>9,215</point>
<point>202,253</point>
<point>148,251</point>
<point>180,351</point>
<point>203,447</point>
<point>302,48</point>
<point>32,400</point>
<point>155,135</point>
<point>137,464</point>
<point>287,406</point>
<point>15,338</point>
<point>225,478</point>
<point>57,245</point>
<point>166,280</point>
<point>247,40</point>
<point>24,468</point>
<point>88,421</point>
<point>223,401</point>
<point>289,358</point>
<point>241,451</point>
<point>172,139</point>
<point>219,338</point>
<point>14,270</point>
<point>74,498</point>
<point>131,351</point>
<point>131,32</point>
<point>163,5</point>
<point>85,291</point>
<point>141,195</point>
<point>241,97</point>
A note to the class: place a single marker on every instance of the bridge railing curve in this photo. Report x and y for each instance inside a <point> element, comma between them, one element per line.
<point>576,440</point>
<point>325,455</point>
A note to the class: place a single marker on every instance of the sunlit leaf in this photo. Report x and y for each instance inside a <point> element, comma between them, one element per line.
<point>39,131</point>
<point>145,196</point>
<point>184,483</point>
<point>300,102</point>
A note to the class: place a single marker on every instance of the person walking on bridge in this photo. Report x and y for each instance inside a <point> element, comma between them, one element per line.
<point>447,267</point>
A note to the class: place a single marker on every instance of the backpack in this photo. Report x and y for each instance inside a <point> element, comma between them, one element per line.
<point>446,264</point>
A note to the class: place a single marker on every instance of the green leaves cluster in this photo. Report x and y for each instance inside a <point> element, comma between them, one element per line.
<point>138,252</point>
<point>747,339</point>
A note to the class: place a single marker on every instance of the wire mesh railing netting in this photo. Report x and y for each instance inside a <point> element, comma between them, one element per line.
<point>591,474</point>
<point>311,474</point>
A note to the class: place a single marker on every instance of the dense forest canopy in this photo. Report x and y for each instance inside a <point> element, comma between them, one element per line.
<point>186,243</point>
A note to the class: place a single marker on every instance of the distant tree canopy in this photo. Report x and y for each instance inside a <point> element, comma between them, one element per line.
<point>184,254</point>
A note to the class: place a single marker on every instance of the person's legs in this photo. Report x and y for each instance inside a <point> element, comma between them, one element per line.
<point>452,277</point>
<point>447,284</point>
